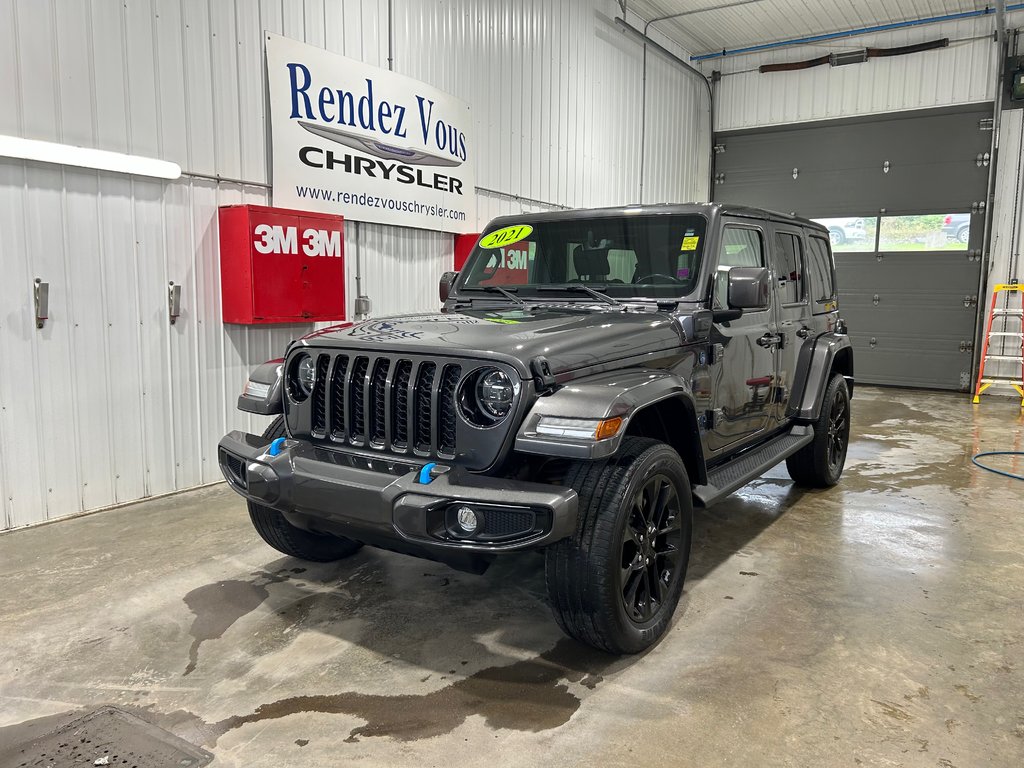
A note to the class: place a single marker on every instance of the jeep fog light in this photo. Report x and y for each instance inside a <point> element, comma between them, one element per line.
<point>579,429</point>
<point>467,519</point>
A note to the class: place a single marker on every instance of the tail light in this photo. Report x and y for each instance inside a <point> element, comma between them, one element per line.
<point>949,218</point>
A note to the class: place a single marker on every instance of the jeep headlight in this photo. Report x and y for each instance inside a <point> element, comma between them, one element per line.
<point>303,377</point>
<point>486,397</point>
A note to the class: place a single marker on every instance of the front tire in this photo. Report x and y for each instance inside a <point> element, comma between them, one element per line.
<point>286,538</point>
<point>819,464</point>
<point>617,582</point>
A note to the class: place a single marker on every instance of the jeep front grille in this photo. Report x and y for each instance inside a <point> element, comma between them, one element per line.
<point>403,405</point>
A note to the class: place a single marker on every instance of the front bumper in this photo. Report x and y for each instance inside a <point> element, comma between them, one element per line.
<point>388,506</point>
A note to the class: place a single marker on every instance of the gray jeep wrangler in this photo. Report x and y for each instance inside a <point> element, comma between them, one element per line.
<point>592,377</point>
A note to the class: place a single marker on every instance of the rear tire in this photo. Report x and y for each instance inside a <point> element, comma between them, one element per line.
<point>286,538</point>
<point>963,234</point>
<point>836,236</point>
<point>616,583</point>
<point>820,463</point>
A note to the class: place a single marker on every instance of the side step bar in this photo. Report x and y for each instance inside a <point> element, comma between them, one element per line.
<point>726,478</point>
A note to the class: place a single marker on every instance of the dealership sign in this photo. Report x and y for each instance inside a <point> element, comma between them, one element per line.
<point>365,143</point>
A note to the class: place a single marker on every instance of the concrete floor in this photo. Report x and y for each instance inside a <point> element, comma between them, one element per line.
<point>879,623</point>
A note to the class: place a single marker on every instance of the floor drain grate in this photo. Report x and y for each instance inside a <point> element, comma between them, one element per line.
<point>109,737</point>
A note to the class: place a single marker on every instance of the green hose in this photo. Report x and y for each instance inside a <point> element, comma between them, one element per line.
<point>976,456</point>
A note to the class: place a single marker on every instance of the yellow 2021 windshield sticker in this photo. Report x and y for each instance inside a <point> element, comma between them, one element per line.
<point>690,243</point>
<point>499,238</point>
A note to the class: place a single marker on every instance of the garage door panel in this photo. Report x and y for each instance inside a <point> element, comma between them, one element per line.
<point>928,187</point>
<point>934,273</point>
<point>913,316</point>
<point>777,190</point>
<point>840,165</point>
<point>885,362</point>
<point>854,144</point>
<point>907,316</point>
<point>825,192</point>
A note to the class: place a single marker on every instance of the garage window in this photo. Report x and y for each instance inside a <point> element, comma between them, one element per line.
<point>929,232</point>
<point>853,234</point>
<point>789,260</point>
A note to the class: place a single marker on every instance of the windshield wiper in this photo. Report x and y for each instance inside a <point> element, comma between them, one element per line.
<point>498,289</point>
<point>581,287</point>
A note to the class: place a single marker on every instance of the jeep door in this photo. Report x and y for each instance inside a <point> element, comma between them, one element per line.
<point>789,284</point>
<point>742,360</point>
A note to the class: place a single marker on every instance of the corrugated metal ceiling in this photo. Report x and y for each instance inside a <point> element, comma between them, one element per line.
<point>715,25</point>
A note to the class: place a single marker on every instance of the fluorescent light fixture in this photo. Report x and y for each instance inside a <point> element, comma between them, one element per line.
<point>84,157</point>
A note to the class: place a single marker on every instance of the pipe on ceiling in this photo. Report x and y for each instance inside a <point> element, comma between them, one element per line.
<point>860,31</point>
<point>689,69</point>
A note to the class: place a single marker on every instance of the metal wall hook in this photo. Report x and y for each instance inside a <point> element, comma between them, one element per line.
<point>173,301</point>
<point>41,298</point>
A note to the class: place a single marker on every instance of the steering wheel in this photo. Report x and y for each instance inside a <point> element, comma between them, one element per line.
<point>662,275</point>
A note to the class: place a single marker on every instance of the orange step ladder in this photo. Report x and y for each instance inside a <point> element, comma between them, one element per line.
<point>1013,291</point>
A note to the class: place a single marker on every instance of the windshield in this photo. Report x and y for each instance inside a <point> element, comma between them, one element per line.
<point>653,256</point>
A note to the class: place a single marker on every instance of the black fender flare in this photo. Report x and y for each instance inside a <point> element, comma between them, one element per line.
<point>818,359</point>
<point>268,401</point>
<point>621,394</point>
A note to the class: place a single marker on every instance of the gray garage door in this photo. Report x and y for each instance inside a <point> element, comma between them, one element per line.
<point>900,195</point>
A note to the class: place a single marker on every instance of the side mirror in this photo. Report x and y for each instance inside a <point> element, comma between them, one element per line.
<point>748,288</point>
<point>444,287</point>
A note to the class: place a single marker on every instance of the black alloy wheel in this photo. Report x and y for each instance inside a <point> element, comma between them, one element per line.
<point>616,583</point>
<point>819,464</point>
<point>651,545</point>
<point>838,431</point>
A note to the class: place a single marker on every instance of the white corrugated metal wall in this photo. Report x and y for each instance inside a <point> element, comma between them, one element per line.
<point>109,402</point>
<point>959,74</point>
<point>732,24</point>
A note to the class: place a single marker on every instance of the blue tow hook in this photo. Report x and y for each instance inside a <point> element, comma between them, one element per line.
<point>275,447</point>
<point>425,478</point>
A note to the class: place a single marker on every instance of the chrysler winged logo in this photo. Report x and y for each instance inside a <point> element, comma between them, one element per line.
<point>377,148</point>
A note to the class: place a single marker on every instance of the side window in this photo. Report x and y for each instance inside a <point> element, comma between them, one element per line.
<point>741,247</point>
<point>789,264</point>
<point>819,271</point>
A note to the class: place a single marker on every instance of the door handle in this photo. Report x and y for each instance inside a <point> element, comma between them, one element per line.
<point>803,333</point>
<point>770,340</point>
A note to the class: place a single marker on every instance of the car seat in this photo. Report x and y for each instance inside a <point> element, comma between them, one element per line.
<point>591,264</point>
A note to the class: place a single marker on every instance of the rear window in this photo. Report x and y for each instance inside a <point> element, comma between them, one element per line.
<point>788,253</point>
<point>819,270</point>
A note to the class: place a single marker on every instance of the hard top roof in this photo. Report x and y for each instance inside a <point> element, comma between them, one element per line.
<point>711,210</point>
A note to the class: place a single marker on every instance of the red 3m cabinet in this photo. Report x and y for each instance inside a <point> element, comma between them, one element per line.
<point>281,266</point>
<point>463,247</point>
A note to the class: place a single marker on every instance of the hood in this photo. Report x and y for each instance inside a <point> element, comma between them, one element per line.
<point>569,338</point>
